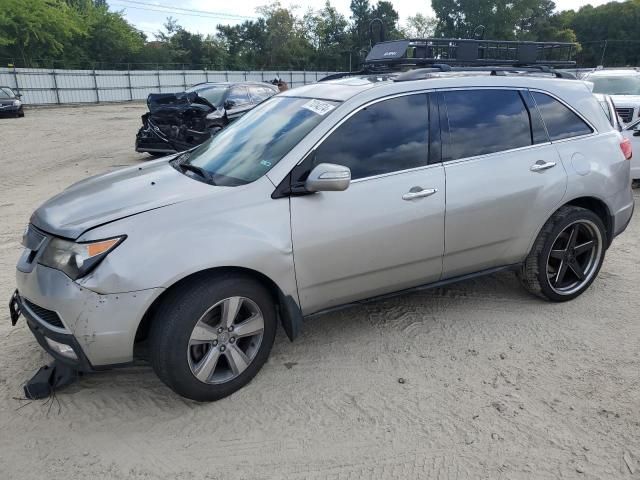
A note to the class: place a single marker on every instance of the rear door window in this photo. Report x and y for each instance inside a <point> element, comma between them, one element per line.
<point>561,122</point>
<point>486,121</point>
<point>388,136</point>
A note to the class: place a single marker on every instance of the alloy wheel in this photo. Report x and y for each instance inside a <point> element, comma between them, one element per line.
<point>225,340</point>
<point>574,257</point>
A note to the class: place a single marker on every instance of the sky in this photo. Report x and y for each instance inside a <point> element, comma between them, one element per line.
<point>202,16</point>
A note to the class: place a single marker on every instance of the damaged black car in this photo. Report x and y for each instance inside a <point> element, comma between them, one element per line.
<point>179,121</point>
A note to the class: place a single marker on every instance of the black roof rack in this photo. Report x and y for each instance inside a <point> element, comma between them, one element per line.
<point>419,52</point>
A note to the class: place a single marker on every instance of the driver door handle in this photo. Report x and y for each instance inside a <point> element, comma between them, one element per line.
<point>540,165</point>
<point>419,192</point>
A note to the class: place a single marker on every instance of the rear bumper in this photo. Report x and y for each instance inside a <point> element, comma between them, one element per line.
<point>622,217</point>
<point>100,328</point>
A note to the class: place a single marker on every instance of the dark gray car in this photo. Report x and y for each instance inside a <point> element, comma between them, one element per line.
<point>10,103</point>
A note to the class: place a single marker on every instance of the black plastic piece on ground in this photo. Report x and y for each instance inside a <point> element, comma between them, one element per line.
<point>14,308</point>
<point>49,379</point>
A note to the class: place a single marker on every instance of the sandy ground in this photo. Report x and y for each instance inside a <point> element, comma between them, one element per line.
<point>497,384</point>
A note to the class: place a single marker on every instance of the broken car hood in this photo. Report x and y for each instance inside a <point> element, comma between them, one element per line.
<point>105,198</point>
<point>163,103</point>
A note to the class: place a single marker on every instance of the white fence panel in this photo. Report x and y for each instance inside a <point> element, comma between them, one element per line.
<point>40,86</point>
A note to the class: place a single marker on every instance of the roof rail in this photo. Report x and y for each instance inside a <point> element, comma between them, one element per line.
<point>418,52</point>
<point>422,73</point>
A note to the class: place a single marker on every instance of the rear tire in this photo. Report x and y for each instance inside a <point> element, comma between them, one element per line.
<point>212,335</point>
<point>567,255</point>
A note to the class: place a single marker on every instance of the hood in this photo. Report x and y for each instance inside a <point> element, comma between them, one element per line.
<point>105,198</point>
<point>625,100</point>
<point>176,102</point>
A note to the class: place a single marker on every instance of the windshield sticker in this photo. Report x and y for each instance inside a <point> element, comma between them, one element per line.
<point>319,107</point>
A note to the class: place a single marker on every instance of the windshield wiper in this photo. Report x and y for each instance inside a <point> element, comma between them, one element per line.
<point>182,165</point>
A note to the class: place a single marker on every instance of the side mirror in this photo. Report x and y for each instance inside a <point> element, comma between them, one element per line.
<point>18,95</point>
<point>634,127</point>
<point>229,104</point>
<point>328,177</point>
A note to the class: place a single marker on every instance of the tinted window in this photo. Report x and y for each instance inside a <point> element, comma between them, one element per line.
<point>385,137</point>
<point>560,121</point>
<point>486,121</point>
<point>239,96</point>
<point>259,94</point>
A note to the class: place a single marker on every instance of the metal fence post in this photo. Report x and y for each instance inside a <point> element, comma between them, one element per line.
<point>291,78</point>
<point>15,75</point>
<point>262,75</point>
<point>158,74</point>
<point>129,82</point>
<point>95,86</point>
<point>56,90</point>
<point>226,76</point>
<point>245,76</point>
<point>184,77</point>
<point>304,77</point>
<point>206,76</point>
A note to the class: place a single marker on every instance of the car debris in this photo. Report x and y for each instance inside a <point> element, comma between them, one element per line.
<point>179,121</point>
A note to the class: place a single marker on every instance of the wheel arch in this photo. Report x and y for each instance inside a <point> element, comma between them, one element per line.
<point>287,308</point>
<point>598,207</point>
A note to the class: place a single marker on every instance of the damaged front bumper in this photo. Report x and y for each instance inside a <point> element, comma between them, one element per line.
<point>77,326</point>
<point>151,140</point>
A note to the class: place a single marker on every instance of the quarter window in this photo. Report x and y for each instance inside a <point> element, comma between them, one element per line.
<point>486,121</point>
<point>560,121</point>
<point>388,136</point>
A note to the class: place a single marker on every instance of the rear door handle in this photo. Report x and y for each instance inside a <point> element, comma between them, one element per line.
<point>540,165</point>
<point>418,192</point>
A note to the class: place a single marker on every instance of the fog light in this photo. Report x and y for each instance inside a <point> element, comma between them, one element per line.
<point>62,348</point>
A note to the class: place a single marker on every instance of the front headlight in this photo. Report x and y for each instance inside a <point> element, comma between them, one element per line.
<point>17,103</point>
<point>77,259</point>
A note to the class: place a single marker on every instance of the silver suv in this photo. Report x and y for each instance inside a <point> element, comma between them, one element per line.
<point>324,195</point>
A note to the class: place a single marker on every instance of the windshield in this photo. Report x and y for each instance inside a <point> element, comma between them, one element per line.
<point>6,93</point>
<point>213,94</point>
<point>248,148</point>
<point>616,85</point>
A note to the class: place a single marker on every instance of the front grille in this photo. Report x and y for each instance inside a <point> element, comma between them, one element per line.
<point>47,316</point>
<point>626,114</point>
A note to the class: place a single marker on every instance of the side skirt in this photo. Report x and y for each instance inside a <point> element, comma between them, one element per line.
<point>426,286</point>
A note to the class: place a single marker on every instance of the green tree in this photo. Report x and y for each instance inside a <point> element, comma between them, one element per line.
<point>328,36</point>
<point>420,26</point>
<point>31,30</point>
<point>618,23</point>
<point>360,19</point>
<point>109,38</point>
<point>502,19</point>
<point>384,11</point>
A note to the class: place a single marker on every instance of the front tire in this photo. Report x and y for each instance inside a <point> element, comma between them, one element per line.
<point>566,256</point>
<point>211,336</point>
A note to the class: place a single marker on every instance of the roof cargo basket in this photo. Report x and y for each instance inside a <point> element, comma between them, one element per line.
<point>417,52</point>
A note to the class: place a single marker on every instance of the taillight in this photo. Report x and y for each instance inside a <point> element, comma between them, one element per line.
<point>625,146</point>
